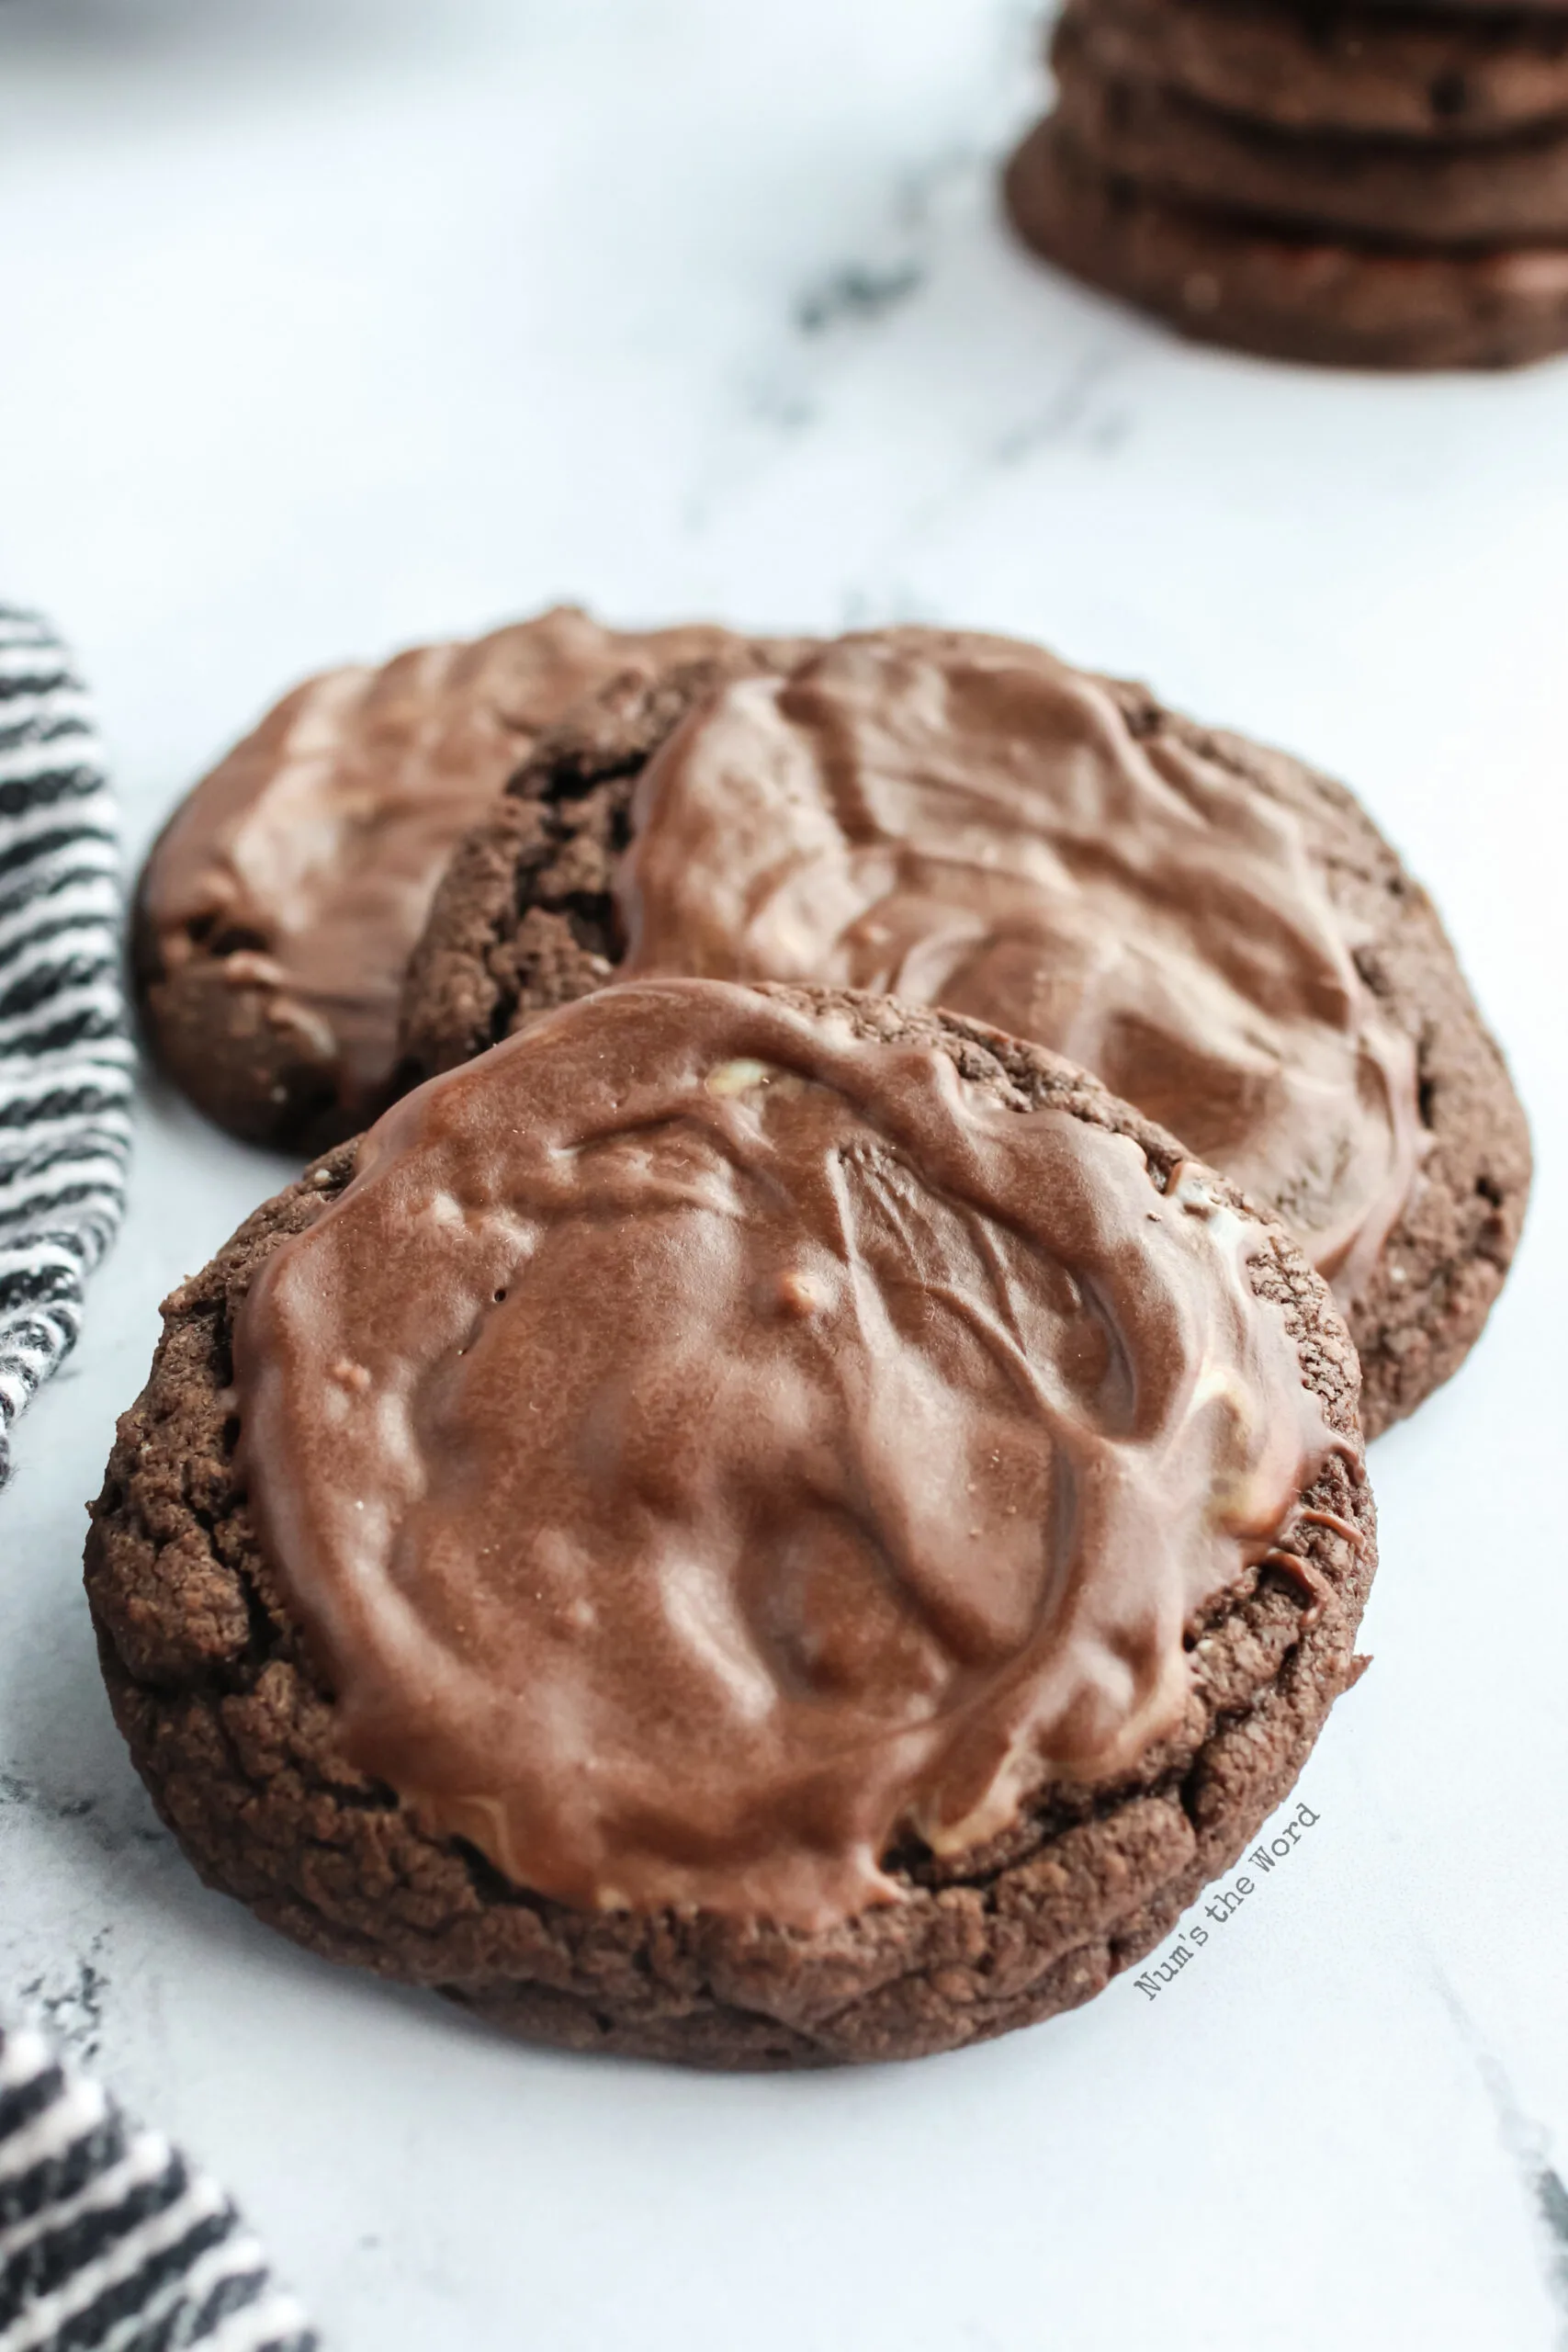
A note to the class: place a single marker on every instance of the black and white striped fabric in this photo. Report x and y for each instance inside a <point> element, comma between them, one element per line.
<point>65,1058</point>
<point>109,2240</point>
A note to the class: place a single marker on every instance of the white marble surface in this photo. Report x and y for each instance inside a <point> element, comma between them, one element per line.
<point>327,323</point>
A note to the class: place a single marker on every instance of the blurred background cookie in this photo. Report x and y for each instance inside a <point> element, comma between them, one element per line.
<point>1300,294</point>
<point>276,909</point>
<point>1367,186</point>
<point>1308,67</point>
<point>1462,194</point>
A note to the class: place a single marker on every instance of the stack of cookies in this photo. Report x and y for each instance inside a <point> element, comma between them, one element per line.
<point>1377,184</point>
<point>801,1490</point>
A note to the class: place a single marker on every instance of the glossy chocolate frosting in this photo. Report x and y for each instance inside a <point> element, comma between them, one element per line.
<point>306,860</point>
<point>964,820</point>
<point>705,1445</point>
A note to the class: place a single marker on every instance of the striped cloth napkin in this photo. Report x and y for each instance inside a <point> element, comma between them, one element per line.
<point>109,2240</point>
<point>65,1058</point>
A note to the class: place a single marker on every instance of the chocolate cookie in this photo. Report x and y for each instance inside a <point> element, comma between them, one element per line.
<point>1510,189</point>
<point>1504,12</point>
<point>276,911</point>
<point>1287,296</point>
<point>1306,67</point>
<point>759,1527</point>
<point>1219,933</point>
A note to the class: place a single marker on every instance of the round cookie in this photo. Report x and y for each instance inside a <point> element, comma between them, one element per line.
<point>1286,297</point>
<point>1520,12</point>
<point>650,820</point>
<point>760,1527</point>
<point>1449,194</point>
<point>1339,69</point>
<point>275,912</point>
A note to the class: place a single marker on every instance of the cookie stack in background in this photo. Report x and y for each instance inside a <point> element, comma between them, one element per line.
<point>1379,185</point>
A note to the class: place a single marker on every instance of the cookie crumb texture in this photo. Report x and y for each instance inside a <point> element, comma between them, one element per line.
<point>526,919</point>
<point>233,1730</point>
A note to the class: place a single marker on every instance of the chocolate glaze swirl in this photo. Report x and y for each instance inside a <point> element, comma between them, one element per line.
<point>705,1445</point>
<point>964,820</point>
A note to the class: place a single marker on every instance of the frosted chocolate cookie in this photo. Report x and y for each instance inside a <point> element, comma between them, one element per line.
<point>1331,302</point>
<point>276,911</point>
<point>1302,66</point>
<point>753,1527</point>
<point>1220,935</point>
<point>1452,194</point>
